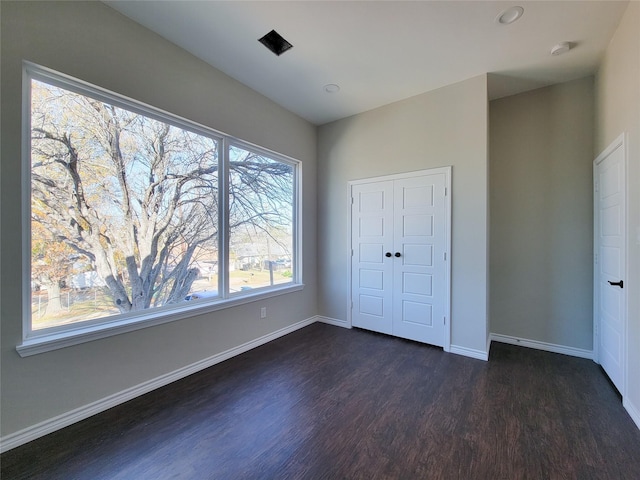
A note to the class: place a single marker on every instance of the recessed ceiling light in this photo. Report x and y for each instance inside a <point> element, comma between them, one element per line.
<point>559,49</point>
<point>332,88</point>
<point>510,15</point>
<point>274,42</point>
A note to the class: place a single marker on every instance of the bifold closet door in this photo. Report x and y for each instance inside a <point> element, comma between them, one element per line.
<point>398,265</point>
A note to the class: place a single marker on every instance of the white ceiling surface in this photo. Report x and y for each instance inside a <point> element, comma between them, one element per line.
<point>382,51</point>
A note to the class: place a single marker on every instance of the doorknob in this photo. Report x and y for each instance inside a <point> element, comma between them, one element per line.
<point>398,254</point>
<point>617,284</point>
<point>388,254</point>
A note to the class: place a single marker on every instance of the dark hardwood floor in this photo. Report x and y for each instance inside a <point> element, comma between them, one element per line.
<point>330,403</point>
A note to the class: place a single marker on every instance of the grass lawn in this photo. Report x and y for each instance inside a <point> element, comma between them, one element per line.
<point>96,303</point>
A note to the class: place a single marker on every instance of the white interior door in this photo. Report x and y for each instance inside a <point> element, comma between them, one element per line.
<point>419,270</point>
<point>399,269</point>
<point>372,238</point>
<point>609,209</point>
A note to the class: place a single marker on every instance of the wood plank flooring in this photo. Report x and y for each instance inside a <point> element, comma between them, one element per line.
<point>330,403</point>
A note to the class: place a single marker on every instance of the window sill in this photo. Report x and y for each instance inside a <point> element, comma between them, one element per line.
<point>54,341</point>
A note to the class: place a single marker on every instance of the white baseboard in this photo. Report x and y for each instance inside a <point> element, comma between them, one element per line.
<point>548,347</point>
<point>469,352</point>
<point>333,321</point>
<point>634,413</point>
<point>56,423</point>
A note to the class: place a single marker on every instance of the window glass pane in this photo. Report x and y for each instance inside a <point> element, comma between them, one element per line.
<point>124,210</point>
<point>261,200</point>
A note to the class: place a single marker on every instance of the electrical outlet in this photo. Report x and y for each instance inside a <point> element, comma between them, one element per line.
<point>263,312</point>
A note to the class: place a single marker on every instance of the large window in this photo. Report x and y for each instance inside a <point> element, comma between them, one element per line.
<point>134,210</point>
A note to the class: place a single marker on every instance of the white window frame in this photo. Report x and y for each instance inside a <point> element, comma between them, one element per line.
<point>43,340</point>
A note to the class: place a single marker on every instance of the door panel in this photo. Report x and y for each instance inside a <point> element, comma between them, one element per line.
<point>417,283</point>
<point>417,313</point>
<point>418,255</point>
<point>417,225</point>
<point>371,253</point>
<point>372,305</point>
<point>371,279</point>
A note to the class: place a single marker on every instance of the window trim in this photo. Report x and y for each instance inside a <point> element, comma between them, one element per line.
<point>86,333</point>
<point>52,338</point>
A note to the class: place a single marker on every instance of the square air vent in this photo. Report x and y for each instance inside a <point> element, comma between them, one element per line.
<point>274,42</point>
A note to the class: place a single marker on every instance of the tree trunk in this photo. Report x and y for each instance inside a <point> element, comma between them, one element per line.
<point>54,305</point>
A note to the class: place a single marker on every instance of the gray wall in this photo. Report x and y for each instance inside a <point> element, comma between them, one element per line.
<point>541,154</point>
<point>447,126</point>
<point>618,111</point>
<point>90,41</point>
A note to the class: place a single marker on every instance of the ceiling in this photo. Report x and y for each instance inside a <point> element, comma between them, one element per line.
<point>379,52</point>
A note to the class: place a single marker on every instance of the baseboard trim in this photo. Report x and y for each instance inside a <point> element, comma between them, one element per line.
<point>633,412</point>
<point>548,347</point>
<point>333,321</point>
<point>41,429</point>
<point>469,352</point>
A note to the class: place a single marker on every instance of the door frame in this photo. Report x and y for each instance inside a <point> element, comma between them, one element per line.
<point>447,243</point>
<point>620,142</point>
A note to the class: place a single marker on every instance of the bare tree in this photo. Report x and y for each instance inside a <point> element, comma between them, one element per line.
<point>137,197</point>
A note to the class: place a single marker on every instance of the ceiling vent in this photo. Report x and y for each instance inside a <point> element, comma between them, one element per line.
<point>274,42</point>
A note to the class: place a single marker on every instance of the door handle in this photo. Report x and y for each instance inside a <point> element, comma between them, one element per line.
<point>617,284</point>
<point>388,254</point>
<point>398,254</point>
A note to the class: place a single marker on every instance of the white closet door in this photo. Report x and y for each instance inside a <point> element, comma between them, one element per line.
<point>419,264</point>
<point>372,238</point>
<point>398,265</point>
